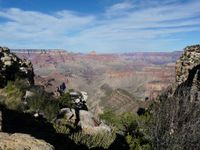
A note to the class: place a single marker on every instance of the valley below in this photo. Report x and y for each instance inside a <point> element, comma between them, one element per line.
<point>121,82</point>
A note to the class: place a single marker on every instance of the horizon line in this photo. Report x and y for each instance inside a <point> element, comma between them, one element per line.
<point>90,52</point>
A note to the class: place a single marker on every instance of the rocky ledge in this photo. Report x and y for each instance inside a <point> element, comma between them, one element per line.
<point>19,141</point>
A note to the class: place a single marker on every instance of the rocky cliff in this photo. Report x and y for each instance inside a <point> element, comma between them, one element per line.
<point>187,67</point>
<point>12,67</point>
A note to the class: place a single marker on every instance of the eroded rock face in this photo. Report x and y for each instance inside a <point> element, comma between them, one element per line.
<point>188,64</point>
<point>19,141</point>
<point>12,67</point>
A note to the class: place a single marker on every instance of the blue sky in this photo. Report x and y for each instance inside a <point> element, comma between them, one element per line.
<point>100,25</point>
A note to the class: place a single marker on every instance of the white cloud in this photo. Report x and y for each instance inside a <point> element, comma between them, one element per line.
<point>123,26</point>
<point>119,9</point>
<point>35,27</point>
<point>143,28</point>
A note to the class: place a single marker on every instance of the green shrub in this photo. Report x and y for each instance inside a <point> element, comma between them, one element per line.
<point>100,140</point>
<point>65,101</point>
<point>132,126</point>
<point>44,102</point>
<point>110,118</point>
<point>62,126</point>
<point>22,84</point>
<point>12,96</point>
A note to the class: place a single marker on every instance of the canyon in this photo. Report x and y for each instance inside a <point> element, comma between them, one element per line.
<point>111,80</point>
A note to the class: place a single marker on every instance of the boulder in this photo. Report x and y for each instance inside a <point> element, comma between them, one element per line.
<point>20,141</point>
<point>90,124</point>
<point>69,114</point>
<point>12,67</point>
<point>87,121</point>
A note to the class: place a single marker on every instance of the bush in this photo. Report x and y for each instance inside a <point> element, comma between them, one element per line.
<point>100,140</point>
<point>22,84</point>
<point>133,127</point>
<point>110,118</point>
<point>176,121</point>
<point>43,102</point>
<point>62,126</point>
<point>65,101</point>
<point>12,96</point>
<point>135,130</point>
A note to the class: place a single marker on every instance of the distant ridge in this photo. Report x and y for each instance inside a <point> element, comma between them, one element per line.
<point>91,53</point>
<point>37,50</point>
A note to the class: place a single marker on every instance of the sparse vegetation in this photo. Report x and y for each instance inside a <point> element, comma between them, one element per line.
<point>176,121</point>
<point>100,140</point>
<point>62,126</point>
<point>12,96</point>
<point>65,101</point>
<point>133,127</point>
<point>40,101</point>
<point>110,118</point>
<point>43,102</point>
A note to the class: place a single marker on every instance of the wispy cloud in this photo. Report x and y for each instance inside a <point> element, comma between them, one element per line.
<point>39,29</point>
<point>122,26</point>
<point>119,9</point>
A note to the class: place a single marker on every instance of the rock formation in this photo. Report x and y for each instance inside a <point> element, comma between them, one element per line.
<point>188,73</point>
<point>19,141</point>
<point>88,122</point>
<point>12,67</point>
<point>188,64</point>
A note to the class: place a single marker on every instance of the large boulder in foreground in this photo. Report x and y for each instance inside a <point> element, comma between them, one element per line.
<point>19,141</point>
<point>188,65</point>
<point>12,67</point>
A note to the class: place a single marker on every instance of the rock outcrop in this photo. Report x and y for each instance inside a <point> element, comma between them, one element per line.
<point>12,67</point>
<point>90,124</point>
<point>19,141</point>
<point>188,65</point>
<point>87,121</point>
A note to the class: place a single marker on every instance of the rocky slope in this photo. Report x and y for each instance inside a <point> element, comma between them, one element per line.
<point>119,100</point>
